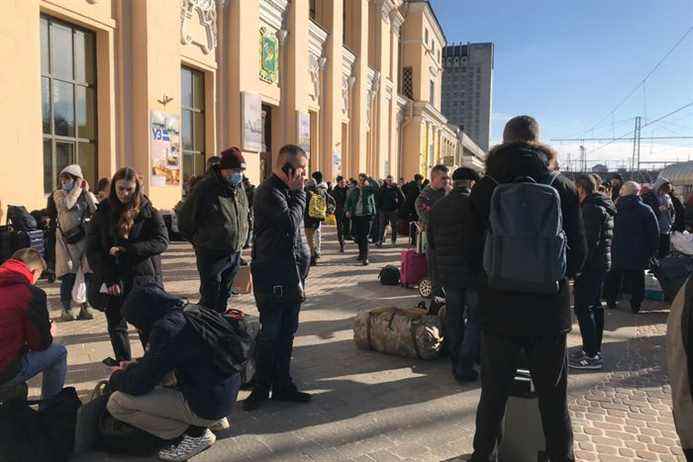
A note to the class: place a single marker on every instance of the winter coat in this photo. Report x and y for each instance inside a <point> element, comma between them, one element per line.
<point>411,192</point>
<point>24,321</point>
<point>74,208</point>
<point>636,234</point>
<point>598,214</point>
<point>391,198</point>
<point>215,215</point>
<point>281,255</point>
<point>680,211</point>
<point>369,191</point>
<point>679,353</point>
<point>340,197</point>
<point>446,238</point>
<point>425,202</point>
<point>141,261</point>
<point>174,346</point>
<point>314,223</point>
<point>515,313</point>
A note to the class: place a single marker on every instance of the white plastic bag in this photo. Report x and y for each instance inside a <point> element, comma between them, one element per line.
<point>79,290</point>
<point>682,242</point>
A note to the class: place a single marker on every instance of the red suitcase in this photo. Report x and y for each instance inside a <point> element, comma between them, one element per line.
<point>413,268</point>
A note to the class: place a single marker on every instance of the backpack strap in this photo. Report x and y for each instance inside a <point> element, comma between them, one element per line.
<point>550,178</point>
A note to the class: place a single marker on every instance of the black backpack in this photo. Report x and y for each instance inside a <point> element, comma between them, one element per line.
<point>20,218</point>
<point>389,276</point>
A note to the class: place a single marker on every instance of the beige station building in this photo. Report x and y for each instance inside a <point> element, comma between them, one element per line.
<point>161,85</point>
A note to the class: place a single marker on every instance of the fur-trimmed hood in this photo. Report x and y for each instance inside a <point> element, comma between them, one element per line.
<point>500,151</point>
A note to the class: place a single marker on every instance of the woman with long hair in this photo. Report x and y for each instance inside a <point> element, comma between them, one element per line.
<point>124,246</point>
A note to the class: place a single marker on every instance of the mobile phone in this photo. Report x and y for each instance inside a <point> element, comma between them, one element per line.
<point>110,362</point>
<point>288,169</point>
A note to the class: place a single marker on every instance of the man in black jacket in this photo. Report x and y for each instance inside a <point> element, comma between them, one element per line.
<point>340,194</point>
<point>446,239</point>
<point>215,218</point>
<point>281,260</point>
<point>391,199</point>
<point>513,322</point>
<point>598,214</point>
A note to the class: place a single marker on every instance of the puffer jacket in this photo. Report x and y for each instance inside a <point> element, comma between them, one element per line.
<point>281,255</point>
<point>636,234</point>
<point>73,208</point>
<point>446,238</point>
<point>598,214</point>
<point>515,313</point>
<point>215,215</point>
<point>368,202</point>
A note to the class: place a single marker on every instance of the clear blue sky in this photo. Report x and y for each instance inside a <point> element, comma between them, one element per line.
<point>570,62</point>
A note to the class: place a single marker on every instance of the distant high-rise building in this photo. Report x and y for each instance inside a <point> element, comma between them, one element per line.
<point>467,90</point>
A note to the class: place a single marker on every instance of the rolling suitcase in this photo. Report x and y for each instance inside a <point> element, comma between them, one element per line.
<point>413,267</point>
<point>523,433</point>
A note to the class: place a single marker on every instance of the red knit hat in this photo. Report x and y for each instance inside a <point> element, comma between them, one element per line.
<point>231,158</point>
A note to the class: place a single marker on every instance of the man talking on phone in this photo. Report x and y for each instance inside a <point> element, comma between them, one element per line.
<point>281,259</point>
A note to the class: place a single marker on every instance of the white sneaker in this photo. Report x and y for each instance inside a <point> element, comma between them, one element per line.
<point>220,425</point>
<point>188,447</point>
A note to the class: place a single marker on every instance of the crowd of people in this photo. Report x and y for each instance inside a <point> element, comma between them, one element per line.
<point>508,298</point>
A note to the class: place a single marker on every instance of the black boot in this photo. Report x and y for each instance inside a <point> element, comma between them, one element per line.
<point>255,400</point>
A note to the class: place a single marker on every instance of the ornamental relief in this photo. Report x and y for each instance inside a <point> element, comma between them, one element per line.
<point>198,24</point>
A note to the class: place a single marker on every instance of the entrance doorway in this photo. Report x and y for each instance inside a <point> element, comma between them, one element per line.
<point>266,154</point>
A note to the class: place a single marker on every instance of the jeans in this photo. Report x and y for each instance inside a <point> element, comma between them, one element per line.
<point>388,217</point>
<point>118,329</point>
<point>67,282</point>
<point>52,362</point>
<point>463,338</point>
<point>217,272</point>
<point>274,345</point>
<point>589,311</point>
<point>634,279</point>
<point>362,228</point>
<point>548,366</point>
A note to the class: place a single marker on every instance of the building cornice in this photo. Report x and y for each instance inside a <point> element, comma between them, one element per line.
<point>273,13</point>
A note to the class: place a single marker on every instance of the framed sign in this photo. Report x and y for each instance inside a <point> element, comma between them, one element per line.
<point>164,149</point>
<point>269,56</point>
<point>252,122</point>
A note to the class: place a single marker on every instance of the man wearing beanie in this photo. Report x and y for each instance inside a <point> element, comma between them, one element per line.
<point>446,235</point>
<point>215,219</point>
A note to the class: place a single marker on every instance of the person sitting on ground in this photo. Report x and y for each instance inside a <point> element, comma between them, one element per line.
<point>598,214</point>
<point>26,332</point>
<point>636,242</point>
<point>198,395</point>
<point>446,239</point>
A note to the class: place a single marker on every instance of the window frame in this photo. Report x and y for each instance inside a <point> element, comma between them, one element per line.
<point>202,112</point>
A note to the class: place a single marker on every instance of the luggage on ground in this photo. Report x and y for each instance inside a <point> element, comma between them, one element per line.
<point>413,267</point>
<point>33,238</point>
<point>389,276</point>
<point>525,248</point>
<point>87,427</point>
<point>251,325</point>
<point>653,290</point>
<point>20,218</point>
<point>523,435</point>
<point>6,239</point>
<point>672,273</point>
<point>410,333</point>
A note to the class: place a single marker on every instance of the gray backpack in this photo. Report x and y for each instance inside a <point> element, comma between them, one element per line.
<point>525,248</point>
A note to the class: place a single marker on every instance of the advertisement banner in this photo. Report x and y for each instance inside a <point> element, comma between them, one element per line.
<point>252,122</point>
<point>164,149</point>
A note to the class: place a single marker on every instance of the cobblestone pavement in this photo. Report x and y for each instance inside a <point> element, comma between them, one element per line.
<point>371,407</point>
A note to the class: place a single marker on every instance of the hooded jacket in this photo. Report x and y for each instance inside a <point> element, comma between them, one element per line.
<point>141,260</point>
<point>24,321</point>
<point>215,215</point>
<point>598,213</point>
<point>514,313</point>
<point>636,234</point>
<point>369,191</point>
<point>173,345</point>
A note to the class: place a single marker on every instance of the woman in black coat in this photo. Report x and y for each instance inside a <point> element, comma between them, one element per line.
<point>126,239</point>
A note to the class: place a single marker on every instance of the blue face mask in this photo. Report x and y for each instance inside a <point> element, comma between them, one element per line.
<point>68,185</point>
<point>235,179</point>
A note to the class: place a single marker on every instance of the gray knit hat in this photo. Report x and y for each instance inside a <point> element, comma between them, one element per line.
<point>74,170</point>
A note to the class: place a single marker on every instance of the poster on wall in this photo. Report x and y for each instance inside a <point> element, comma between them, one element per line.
<point>304,131</point>
<point>252,122</point>
<point>164,149</point>
<point>337,162</point>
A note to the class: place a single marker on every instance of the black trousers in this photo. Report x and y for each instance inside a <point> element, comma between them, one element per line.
<point>275,344</point>
<point>217,272</point>
<point>634,280</point>
<point>362,228</point>
<point>664,245</point>
<point>589,311</point>
<point>342,227</point>
<point>547,363</point>
<point>388,217</point>
<point>117,326</point>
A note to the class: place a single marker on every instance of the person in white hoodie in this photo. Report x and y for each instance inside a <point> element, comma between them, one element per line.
<point>75,205</point>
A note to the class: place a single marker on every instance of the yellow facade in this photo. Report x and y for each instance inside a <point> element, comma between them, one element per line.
<point>208,74</point>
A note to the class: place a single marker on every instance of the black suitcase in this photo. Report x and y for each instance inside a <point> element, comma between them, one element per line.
<point>672,273</point>
<point>523,433</point>
<point>20,218</point>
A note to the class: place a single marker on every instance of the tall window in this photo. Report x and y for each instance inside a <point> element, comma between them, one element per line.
<point>193,126</point>
<point>68,93</point>
<point>433,93</point>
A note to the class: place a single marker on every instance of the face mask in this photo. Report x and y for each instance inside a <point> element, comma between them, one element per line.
<point>235,179</point>
<point>68,185</point>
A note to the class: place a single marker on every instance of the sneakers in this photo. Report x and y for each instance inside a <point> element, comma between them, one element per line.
<point>292,395</point>
<point>576,355</point>
<point>365,262</point>
<point>220,426</point>
<point>255,400</point>
<point>84,313</point>
<point>587,363</point>
<point>635,308</point>
<point>188,447</point>
<point>67,316</point>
